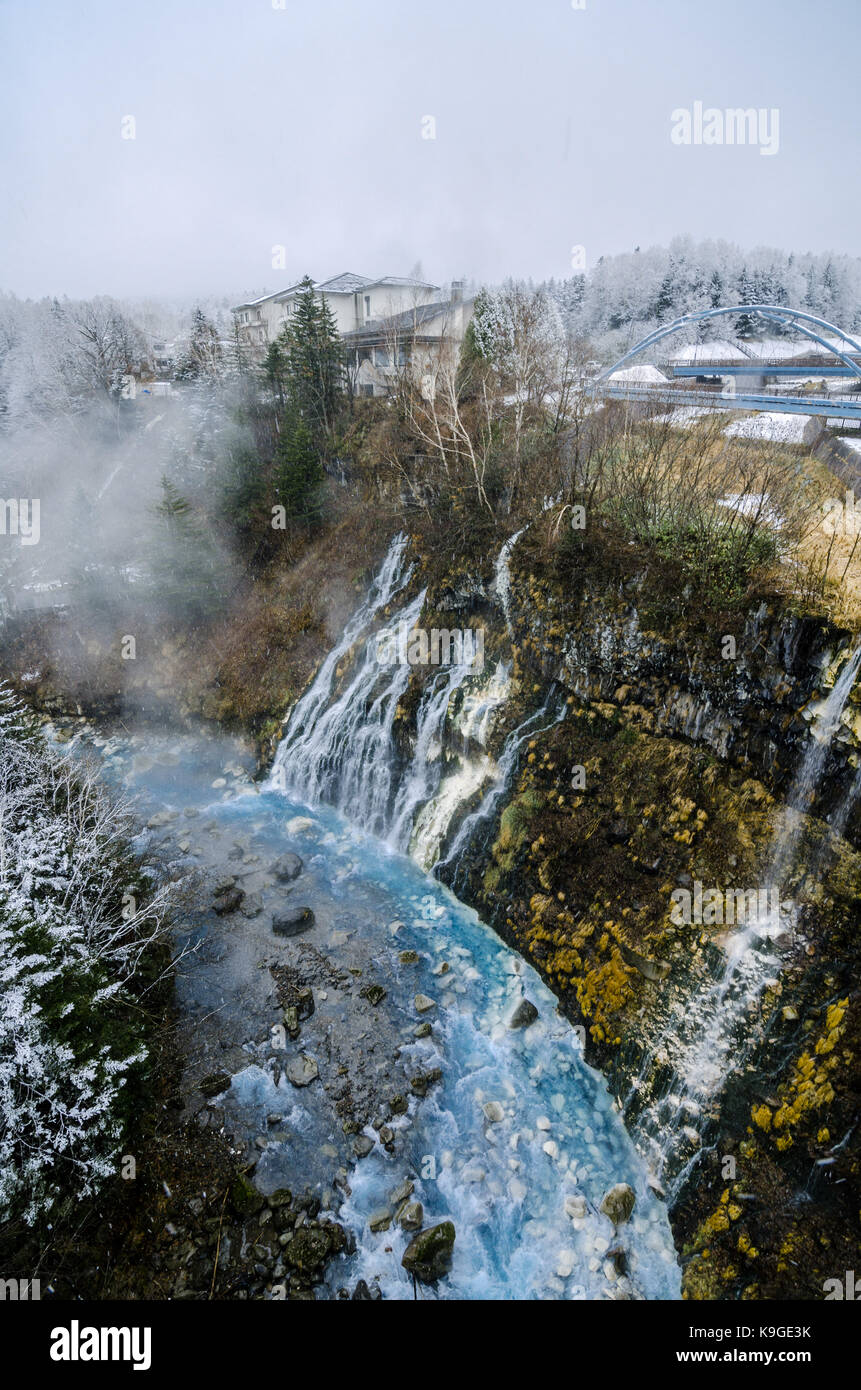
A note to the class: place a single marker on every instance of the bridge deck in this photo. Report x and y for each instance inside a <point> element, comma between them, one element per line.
<point>750,369</point>
<point>846,408</point>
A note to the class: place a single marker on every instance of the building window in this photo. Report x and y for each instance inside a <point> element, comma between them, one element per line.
<point>367,306</point>
<point>382,357</point>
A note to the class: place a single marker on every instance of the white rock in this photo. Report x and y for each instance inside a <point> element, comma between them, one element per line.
<point>542,1122</point>
<point>298,825</point>
<point>493,1112</point>
<point>551,1148</point>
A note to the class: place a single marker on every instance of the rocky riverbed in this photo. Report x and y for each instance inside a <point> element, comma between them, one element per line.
<point>393,1098</point>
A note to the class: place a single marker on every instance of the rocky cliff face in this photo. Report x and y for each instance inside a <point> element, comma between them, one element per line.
<point>669,770</point>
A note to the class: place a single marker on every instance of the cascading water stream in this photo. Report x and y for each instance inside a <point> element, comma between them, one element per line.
<point>340,749</point>
<point>530,726</point>
<point>707,1034</point>
<point>502,577</point>
<point>521,1139</point>
<point>422,778</point>
<point>303,734</point>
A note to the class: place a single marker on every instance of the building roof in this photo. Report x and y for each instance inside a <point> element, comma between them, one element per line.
<point>264,298</point>
<point>405,282</point>
<point>405,320</point>
<point>346,283</point>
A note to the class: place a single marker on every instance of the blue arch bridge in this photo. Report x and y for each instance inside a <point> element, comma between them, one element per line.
<point>729,384</point>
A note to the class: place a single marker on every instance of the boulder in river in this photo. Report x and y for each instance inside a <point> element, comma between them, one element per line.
<point>244,1197</point>
<point>292,921</point>
<point>523,1015</point>
<point>288,867</point>
<point>423,1003</point>
<point>618,1203</point>
<point>428,1255</point>
<point>301,1070</point>
<point>227,897</point>
<point>312,1245</point>
<point>363,1294</point>
<point>299,825</point>
<point>410,1216</point>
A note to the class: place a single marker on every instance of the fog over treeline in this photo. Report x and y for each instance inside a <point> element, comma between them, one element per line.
<point>121,476</point>
<point>133,482</point>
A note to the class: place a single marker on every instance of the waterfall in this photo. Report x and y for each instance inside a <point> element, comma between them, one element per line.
<point>706,1032</point>
<point>826,723</point>
<point>467,769</point>
<point>339,747</point>
<point>541,719</point>
<point>502,577</point>
<point>341,750</point>
<point>390,580</point>
<point>423,775</point>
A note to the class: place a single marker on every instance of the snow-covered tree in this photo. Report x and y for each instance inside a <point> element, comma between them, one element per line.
<point>518,331</point>
<point>71,948</point>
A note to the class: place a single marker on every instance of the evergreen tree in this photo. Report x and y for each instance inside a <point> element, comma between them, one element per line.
<point>299,473</point>
<point>275,368</point>
<point>745,324</point>
<point>314,363</point>
<point>203,357</point>
<point>185,566</point>
<point>665,301</point>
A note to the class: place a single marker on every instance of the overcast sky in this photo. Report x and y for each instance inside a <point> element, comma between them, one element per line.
<point>257,127</point>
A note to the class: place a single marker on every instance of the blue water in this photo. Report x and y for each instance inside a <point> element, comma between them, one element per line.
<point>526,1215</point>
<point>505,1194</point>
